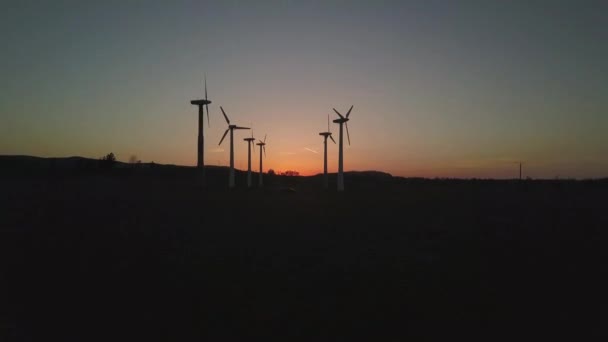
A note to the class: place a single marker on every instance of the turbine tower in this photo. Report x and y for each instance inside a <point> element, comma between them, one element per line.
<point>325,135</point>
<point>230,128</point>
<point>250,144</point>
<point>200,161</point>
<point>520,170</point>
<point>342,121</point>
<point>262,145</point>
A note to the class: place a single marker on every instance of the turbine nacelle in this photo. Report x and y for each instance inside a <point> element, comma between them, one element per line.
<point>345,117</point>
<point>200,102</point>
<point>327,134</point>
<point>230,127</point>
<point>204,102</point>
<point>262,144</point>
<point>251,140</point>
<point>343,120</point>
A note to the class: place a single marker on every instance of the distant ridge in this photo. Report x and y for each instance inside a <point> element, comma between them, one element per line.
<point>75,162</point>
<point>78,161</point>
<point>373,173</point>
<point>368,173</point>
<point>17,163</point>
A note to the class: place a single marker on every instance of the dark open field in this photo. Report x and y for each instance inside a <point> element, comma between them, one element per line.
<point>146,255</point>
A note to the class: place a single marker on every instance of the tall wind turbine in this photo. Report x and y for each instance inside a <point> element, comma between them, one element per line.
<point>200,162</point>
<point>325,135</point>
<point>230,128</point>
<point>262,144</point>
<point>342,121</point>
<point>250,144</point>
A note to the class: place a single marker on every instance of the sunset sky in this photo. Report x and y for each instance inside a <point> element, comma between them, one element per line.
<point>439,88</point>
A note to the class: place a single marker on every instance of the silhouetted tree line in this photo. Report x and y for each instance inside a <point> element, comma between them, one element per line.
<point>290,173</point>
<point>108,161</point>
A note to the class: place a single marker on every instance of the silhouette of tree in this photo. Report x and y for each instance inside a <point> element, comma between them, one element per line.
<point>108,160</point>
<point>290,173</point>
<point>271,172</point>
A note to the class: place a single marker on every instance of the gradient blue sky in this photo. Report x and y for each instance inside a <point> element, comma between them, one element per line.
<point>440,88</point>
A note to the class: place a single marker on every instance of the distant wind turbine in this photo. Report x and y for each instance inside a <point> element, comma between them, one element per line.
<point>342,121</point>
<point>250,144</point>
<point>325,135</point>
<point>230,128</point>
<point>262,144</point>
<point>200,162</point>
<point>520,163</point>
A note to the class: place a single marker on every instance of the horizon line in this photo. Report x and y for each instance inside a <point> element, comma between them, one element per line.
<point>333,173</point>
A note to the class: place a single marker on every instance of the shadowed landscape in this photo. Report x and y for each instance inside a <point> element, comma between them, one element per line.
<point>303,171</point>
<point>136,252</point>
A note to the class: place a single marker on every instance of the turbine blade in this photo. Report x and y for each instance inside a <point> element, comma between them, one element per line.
<point>338,113</point>
<point>264,148</point>
<point>205,76</point>
<point>223,136</point>
<point>225,116</point>
<point>264,138</point>
<point>208,122</point>
<point>332,139</point>
<point>347,135</point>
<point>252,145</point>
<point>351,108</point>
<point>239,127</point>
<point>206,98</point>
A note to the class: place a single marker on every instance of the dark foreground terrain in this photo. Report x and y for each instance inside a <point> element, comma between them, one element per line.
<point>148,256</point>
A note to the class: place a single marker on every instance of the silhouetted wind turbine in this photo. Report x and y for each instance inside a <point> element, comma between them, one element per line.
<point>520,170</point>
<point>200,162</point>
<point>342,121</point>
<point>325,135</point>
<point>230,128</point>
<point>250,144</point>
<point>262,145</point>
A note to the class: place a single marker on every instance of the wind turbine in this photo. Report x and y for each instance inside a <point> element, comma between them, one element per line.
<point>200,162</point>
<point>342,121</point>
<point>262,144</point>
<point>230,128</point>
<point>520,163</point>
<point>325,135</point>
<point>250,144</point>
